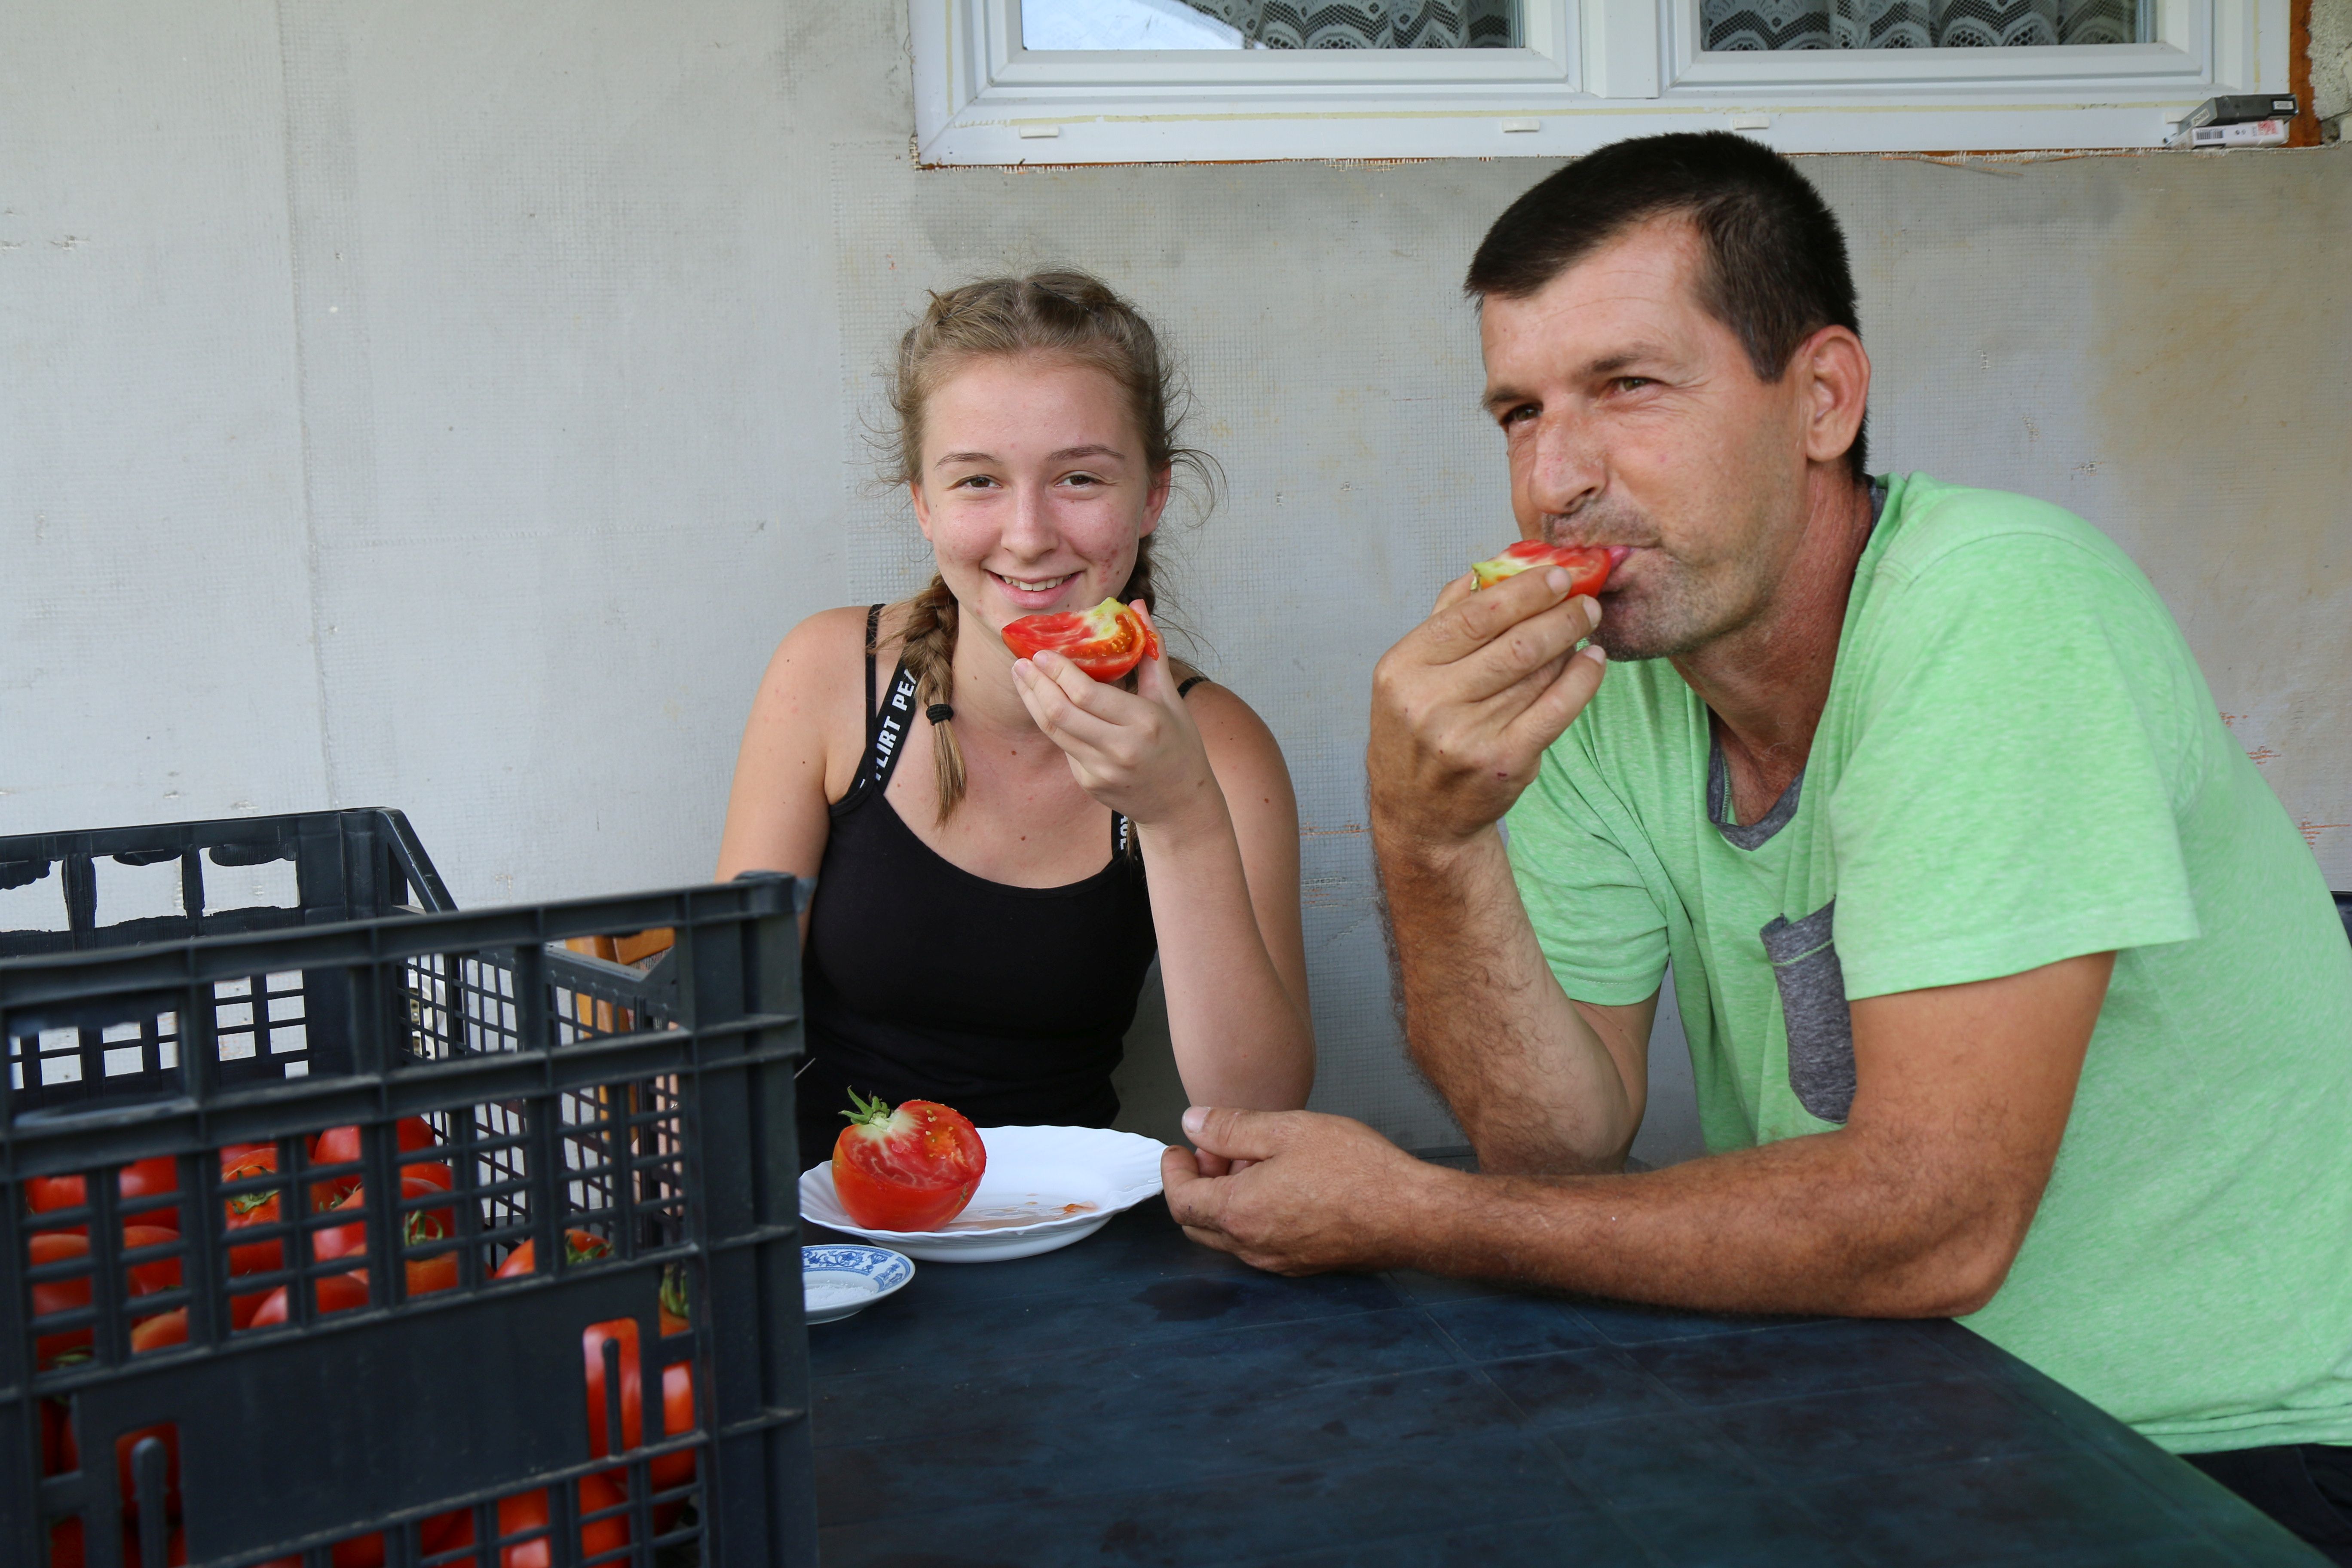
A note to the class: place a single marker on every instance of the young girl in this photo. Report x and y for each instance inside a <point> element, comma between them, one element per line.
<point>999,844</point>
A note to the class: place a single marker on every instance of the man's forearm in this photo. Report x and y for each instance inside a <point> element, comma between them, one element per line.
<point>1834,1223</point>
<point>1525,1074</point>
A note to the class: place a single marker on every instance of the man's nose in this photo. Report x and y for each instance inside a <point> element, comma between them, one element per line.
<point>1567,467</point>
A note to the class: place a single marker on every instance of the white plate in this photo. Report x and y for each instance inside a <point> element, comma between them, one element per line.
<point>838,1280</point>
<point>1045,1187</point>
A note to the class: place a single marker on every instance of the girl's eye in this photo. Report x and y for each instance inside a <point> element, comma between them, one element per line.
<point>974,482</point>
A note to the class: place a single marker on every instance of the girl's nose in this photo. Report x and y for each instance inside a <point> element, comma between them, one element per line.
<point>1030,530</point>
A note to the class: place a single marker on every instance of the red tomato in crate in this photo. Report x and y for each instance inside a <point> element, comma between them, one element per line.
<point>336,1293</point>
<point>341,1146</point>
<point>579,1247</point>
<point>66,1295</point>
<point>671,1470</point>
<point>421,1224</point>
<point>1105,642</point>
<point>139,1179</point>
<point>360,1551</point>
<point>245,1210</point>
<point>161,1331</point>
<point>169,1436</point>
<point>1588,565</point>
<point>451,1532</point>
<point>914,1168</point>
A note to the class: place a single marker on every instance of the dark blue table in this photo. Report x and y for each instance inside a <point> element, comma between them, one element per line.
<point>1135,1399</point>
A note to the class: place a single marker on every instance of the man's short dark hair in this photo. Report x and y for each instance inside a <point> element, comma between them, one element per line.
<point>1775,270</point>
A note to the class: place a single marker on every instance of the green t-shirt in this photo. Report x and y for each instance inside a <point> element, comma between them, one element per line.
<point>2019,763</point>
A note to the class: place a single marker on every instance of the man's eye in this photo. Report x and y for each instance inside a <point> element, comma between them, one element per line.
<point>1519,416</point>
<point>1631,382</point>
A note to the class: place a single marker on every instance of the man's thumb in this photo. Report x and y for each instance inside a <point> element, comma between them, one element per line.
<point>1235,1134</point>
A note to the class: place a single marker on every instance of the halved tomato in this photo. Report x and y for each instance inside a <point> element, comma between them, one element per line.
<point>1588,565</point>
<point>1105,642</point>
<point>909,1169</point>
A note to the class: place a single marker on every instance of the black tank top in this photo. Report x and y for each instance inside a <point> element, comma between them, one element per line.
<point>925,982</point>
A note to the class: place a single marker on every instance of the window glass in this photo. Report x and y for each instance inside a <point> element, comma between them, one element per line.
<point>1270,24</point>
<point>1921,23</point>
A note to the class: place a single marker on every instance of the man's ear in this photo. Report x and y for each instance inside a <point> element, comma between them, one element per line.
<point>1836,386</point>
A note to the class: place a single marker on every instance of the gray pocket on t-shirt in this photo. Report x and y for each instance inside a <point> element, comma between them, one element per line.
<point>1813,1002</point>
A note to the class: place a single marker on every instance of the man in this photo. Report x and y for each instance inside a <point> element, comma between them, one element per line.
<point>2011,993</point>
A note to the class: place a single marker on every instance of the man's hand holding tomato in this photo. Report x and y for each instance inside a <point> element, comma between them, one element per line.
<point>1138,753</point>
<point>1464,707</point>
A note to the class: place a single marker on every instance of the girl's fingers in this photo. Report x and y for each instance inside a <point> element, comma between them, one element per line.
<point>1067,704</point>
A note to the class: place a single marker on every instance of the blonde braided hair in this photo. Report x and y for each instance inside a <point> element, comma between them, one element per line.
<point>1067,316</point>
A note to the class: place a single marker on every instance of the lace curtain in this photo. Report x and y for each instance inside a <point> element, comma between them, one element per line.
<point>1370,24</point>
<point>1915,24</point>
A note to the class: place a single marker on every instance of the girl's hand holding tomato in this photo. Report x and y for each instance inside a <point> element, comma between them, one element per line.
<point>1138,753</point>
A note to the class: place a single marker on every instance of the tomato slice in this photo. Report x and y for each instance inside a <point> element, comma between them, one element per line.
<point>1589,565</point>
<point>914,1168</point>
<point>1105,642</point>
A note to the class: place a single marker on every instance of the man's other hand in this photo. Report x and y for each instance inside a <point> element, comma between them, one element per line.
<point>1464,706</point>
<point>1309,1193</point>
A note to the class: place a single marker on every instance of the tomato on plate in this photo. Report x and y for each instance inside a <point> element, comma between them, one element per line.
<point>909,1169</point>
<point>139,1179</point>
<point>1588,565</point>
<point>1105,642</point>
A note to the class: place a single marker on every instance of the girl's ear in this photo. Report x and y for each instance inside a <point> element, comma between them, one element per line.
<point>1162,484</point>
<point>922,506</point>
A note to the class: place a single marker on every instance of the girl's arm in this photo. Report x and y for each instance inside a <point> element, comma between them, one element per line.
<point>777,816</point>
<point>1204,784</point>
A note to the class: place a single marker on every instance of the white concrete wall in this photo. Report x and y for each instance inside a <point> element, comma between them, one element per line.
<point>448,405</point>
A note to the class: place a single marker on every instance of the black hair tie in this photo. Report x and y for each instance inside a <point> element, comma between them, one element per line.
<point>939,712</point>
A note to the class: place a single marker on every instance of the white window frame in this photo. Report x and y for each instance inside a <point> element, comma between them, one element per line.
<point>1592,71</point>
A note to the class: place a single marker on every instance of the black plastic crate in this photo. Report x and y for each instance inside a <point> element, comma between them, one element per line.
<point>518,1093</point>
<point>347,865</point>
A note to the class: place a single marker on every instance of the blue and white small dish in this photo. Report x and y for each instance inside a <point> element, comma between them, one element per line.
<point>836,1281</point>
